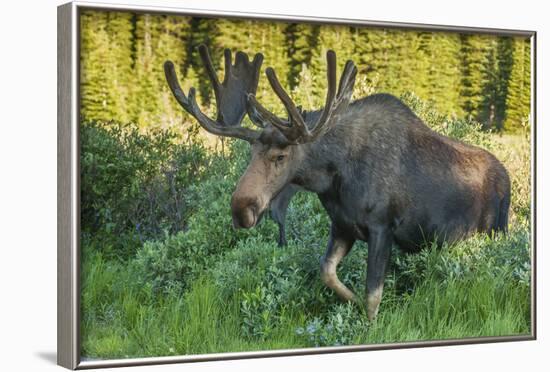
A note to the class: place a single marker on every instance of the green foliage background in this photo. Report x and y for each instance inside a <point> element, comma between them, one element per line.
<point>164,273</point>
<point>484,77</point>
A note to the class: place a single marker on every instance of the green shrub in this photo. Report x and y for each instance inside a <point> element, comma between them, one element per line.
<point>478,255</point>
<point>342,325</point>
<point>275,285</point>
<point>134,186</point>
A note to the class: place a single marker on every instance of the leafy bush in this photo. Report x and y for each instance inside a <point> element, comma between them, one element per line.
<point>268,281</point>
<point>272,282</point>
<point>342,326</point>
<point>134,186</point>
<point>172,262</point>
<point>476,256</point>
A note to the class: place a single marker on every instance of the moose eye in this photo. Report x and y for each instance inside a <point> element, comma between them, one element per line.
<point>280,158</point>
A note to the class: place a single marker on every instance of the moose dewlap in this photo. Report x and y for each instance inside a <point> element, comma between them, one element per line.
<point>382,175</point>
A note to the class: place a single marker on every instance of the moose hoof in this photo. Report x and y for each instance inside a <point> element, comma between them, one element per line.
<point>373,303</point>
<point>371,313</point>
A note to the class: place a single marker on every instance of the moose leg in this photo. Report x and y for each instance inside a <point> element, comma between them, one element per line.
<point>279,207</point>
<point>338,248</point>
<point>379,249</point>
<point>281,242</point>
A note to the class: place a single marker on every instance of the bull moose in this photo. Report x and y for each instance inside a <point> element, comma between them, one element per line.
<point>382,175</point>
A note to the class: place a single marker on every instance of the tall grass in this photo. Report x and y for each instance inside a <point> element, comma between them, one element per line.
<point>258,312</point>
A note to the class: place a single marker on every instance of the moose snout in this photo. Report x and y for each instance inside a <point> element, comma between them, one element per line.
<point>244,212</point>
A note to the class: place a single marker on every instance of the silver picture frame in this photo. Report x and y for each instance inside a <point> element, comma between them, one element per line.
<point>68,187</point>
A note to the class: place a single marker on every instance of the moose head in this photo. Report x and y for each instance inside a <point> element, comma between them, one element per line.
<point>279,146</point>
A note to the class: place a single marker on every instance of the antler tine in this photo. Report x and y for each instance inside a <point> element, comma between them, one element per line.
<point>207,61</point>
<point>295,129</point>
<point>331,93</point>
<point>231,95</point>
<point>254,114</point>
<point>260,115</point>
<point>227,59</point>
<point>241,58</point>
<point>257,64</point>
<point>189,103</point>
<point>336,102</point>
<point>347,81</point>
<point>173,83</point>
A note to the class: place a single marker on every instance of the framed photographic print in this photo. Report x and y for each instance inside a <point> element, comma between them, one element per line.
<point>236,185</point>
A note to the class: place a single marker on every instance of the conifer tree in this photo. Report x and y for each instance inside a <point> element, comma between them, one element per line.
<point>202,31</point>
<point>147,83</point>
<point>232,34</point>
<point>301,39</point>
<point>120,74</point>
<point>371,55</point>
<point>94,79</point>
<point>106,68</point>
<point>438,74</point>
<point>425,59</point>
<point>519,89</point>
<point>312,83</point>
<point>473,55</point>
<point>269,39</point>
<point>170,46</point>
<point>158,39</point>
<point>505,60</point>
<point>490,95</point>
<point>403,66</point>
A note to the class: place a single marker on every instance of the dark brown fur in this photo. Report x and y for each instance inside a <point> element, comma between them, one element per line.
<point>384,177</point>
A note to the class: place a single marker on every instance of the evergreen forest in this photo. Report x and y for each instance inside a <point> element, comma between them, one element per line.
<point>483,77</point>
